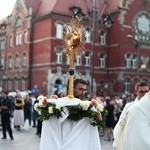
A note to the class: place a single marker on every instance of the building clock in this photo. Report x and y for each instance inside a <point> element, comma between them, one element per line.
<point>143,24</point>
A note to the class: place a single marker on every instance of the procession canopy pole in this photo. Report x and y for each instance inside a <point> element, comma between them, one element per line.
<point>73,41</point>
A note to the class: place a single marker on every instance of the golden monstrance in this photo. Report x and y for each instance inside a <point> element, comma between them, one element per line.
<point>72,42</point>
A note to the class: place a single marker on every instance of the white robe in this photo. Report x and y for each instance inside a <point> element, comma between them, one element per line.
<point>118,130</point>
<point>135,127</point>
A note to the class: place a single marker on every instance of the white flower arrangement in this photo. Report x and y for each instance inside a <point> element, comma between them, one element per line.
<point>92,109</point>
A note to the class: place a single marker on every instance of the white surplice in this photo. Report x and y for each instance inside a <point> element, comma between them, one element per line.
<point>63,134</point>
<point>135,127</point>
<point>118,129</point>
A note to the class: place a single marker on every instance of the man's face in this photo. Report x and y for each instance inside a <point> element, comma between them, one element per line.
<point>141,91</point>
<point>79,90</point>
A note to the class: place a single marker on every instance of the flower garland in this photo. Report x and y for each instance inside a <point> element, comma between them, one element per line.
<point>91,109</point>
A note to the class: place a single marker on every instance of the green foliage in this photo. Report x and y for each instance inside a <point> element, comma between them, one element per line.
<point>76,113</point>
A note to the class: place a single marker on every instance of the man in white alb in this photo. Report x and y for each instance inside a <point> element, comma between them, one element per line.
<point>136,133</point>
<point>140,88</point>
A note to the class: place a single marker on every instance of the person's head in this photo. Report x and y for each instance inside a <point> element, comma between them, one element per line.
<point>80,87</point>
<point>141,88</point>
<point>4,94</point>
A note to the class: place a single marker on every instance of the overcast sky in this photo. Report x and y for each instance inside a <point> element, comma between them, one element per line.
<point>6,7</point>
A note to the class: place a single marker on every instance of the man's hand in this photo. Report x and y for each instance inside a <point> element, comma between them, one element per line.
<point>3,107</point>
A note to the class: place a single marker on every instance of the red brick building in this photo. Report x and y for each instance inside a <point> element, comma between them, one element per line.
<point>31,45</point>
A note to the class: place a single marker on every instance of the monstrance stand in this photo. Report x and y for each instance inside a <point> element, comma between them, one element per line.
<point>73,41</point>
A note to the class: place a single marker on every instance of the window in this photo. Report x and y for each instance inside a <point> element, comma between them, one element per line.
<point>128,60</point>
<point>2,44</point>
<point>9,85</point>
<point>134,61</point>
<point>2,62</point>
<point>16,85</point>
<point>102,60</point>
<point>78,60</point>
<point>25,37</point>
<point>24,59</point>
<point>59,55</point>
<point>1,83</point>
<point>18,22</point>
<point>19,39</point>
<point>16,61</point>
<point>87,36</point>
<point>11,41</point>
<point>9,62</point>
<point>103,38</point>
<point>67,59</point>
<point>87,59</point>
<point>145,60</point>
<point>23,85</point>
<point>59,31</point>
<point>127,85</point>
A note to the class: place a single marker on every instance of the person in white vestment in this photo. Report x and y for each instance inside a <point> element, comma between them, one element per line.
<point>136,132</point>
<point>140,89</point>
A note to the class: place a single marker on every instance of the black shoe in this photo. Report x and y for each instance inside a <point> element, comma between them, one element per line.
<point>12,138</point>
<point>3,138</point>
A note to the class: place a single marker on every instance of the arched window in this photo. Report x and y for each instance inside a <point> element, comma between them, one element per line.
<point>134,61</point>
<point>102,60</point>
<point>18,22</point>
<point>128,60</point>
<point>16,84</point>
<point>2,62</point>
<point>24,59</point>
<point>78,60</point>
<point>9,84</point>
<point>16,61</point>
<point>87,35</point>
<point>23,84</point>
<point>127,86</point>
<point>26,37</point>
<point>103,38</point>
<point>2,44</point>
<point>11,41</point>
<point>19,39</point>
<point>10,62</point>
<point>87,59</point>
<point>59,55</point>
<point>59,31</point>
<point>145,60</point>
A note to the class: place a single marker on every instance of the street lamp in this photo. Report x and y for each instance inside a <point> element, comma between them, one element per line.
<point>107,21</point>
<point>77,12</point>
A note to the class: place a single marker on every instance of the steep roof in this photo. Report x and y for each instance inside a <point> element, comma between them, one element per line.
<point>42,7</point>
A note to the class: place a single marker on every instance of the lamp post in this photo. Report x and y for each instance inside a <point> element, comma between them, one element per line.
<point>107,21</point>
<point>94,19</point>
<point>136,46</point>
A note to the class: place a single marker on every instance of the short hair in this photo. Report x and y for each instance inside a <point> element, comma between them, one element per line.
<point>79,80</point>
<point>139,84</point>
<point>5,92</point>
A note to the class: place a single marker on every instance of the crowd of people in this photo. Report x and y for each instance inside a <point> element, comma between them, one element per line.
<point>117,122</point>
<point>17,110</point>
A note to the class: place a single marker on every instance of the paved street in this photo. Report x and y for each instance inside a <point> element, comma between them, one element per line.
<point>26,139</point>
